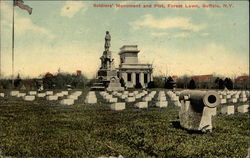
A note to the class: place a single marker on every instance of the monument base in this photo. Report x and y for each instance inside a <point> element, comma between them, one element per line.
<point>115,85</point>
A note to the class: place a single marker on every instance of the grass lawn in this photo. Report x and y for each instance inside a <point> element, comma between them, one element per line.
<point>47,129</point>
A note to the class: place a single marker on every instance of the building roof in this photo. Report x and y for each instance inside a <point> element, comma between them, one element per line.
<point>129,49</point>
<point>202,77</point>
<point>243,78</point>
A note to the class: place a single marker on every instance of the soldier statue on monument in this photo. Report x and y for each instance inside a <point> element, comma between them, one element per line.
<point>107,41</point>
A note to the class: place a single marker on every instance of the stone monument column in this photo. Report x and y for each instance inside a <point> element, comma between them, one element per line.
<point>125,77</point>
<point>142,78</point>
<point>133,78</point>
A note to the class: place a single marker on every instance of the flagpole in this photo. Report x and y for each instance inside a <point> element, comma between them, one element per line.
<point>13,29</point>
<point>0,40</point>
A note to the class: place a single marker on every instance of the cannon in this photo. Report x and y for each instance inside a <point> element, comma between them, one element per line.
<point>197,109</point>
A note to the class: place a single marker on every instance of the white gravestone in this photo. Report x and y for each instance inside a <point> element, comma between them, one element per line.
<point>52,97</point>
<point>67,101</point>
<point>2,95</point>
<point>91,98</point>
<point>243,108</point>
<point>162,104</point>
<point>117,106</point>
<point>32,93</point>
<point>49,92</point>
<point>29,98</point>
<point>142,105</point>
<point>227,110</point>
<point>41,95</point>
<point>14,93</point>
<point>130,99</point>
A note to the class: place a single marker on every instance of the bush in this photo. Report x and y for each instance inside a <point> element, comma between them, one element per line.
<point>192,84</point>
<point>138,85</point>
<point>170,83</point>
<point>151,84</point>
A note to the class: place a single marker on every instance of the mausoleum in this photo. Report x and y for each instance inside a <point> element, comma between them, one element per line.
<point>131,70</point>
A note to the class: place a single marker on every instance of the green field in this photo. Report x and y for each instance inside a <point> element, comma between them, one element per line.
<point>47,129</point>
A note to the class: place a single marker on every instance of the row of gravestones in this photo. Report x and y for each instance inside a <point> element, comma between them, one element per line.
<point>118,100</point>
<point>64,96</point>
<point>233,96</point>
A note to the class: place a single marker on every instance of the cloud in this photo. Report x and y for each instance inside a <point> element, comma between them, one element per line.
<point>159,34</point>
<point>71,8</point>
<point>22,24</point>
<point>182,23</point>
<point>182,35</point>
<point>206,59</point>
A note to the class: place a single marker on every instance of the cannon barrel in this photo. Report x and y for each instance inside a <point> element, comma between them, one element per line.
<point>201,98</point>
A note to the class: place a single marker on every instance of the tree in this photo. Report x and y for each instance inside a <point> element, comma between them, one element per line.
<point>151,84</point>
<point>221,84</point>
<point>192,84</point>
<point>170,83</point>
<point>228,83</point>
<point>216,81</point>
<point>17,81</point>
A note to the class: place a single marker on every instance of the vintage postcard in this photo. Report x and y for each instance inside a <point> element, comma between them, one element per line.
<point>124,79</point>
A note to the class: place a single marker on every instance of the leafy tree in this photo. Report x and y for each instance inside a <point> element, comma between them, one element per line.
<point>228,83</point>
<point>151,84</point>
<point>17,81</point>
<point>192,84</point>
<point>170,83</point>
<point>159,81</point>
<point>221,84</point>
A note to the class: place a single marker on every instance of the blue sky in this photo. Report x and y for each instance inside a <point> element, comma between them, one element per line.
<point>70,36</point>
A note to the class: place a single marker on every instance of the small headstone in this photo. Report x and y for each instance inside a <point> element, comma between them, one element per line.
<point>49,92</point>
<point>242,99</point>
<point>124,96</point>
<point>41,95</point>
<point>14,93</point>
<point>32,93</point>
<point>91,98</point>
<point>138,96</point>
<point>130,99</point>
<point>223,101</point>
<point>60,94</point>
<point>78,93</point>
<point>72,97</point>
<point>243,108</point>
<point>67,101</point>
<point>147,98</point>
<point>233,100</point>
<point>1,94</point>
<point>162,104</point>
<point>142,105</point>
<point>113,100</point>
<point>21,95</point>
<point>118,106</point>
<point>131,94</point>
<point>52,97</point>
<point>65,92</point>
<point>227,110</point>
<point>29,98</point>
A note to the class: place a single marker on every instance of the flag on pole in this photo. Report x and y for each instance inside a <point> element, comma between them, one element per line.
<point>21,5</point>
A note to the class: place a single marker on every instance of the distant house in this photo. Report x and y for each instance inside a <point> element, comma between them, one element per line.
<point>242,82</point>
<point>204,81</point>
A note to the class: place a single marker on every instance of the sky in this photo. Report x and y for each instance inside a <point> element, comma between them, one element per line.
<point>69,35</point>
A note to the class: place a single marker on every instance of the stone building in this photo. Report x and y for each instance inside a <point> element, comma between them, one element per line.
<point>131,70</point>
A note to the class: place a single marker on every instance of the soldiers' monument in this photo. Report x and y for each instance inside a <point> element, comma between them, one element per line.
<point>107,74</point>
